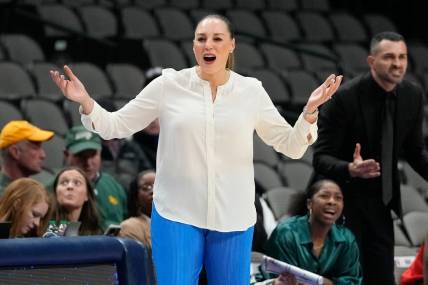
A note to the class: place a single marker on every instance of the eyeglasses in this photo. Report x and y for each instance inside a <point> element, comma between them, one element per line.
<point>146,187</point>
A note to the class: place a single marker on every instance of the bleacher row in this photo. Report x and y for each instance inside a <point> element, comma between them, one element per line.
<point>290,47</point>
<point>285,78</point>
<point>113,47</point>
<point>43,105</point>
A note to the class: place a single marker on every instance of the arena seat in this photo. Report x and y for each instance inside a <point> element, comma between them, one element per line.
<point>67,259</point>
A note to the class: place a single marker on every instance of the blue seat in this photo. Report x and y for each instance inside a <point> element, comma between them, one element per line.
<point>127,259</point>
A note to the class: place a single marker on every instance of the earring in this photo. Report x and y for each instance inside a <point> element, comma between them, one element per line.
<point>343,220</point>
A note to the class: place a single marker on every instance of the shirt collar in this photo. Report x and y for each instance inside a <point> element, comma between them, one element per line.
<point>225,88</point>
<point>306,232</point>
<point>379,90</point>
<point>305,238</point>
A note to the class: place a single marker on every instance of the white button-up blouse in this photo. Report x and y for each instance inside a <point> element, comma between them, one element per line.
<point>205,174</point>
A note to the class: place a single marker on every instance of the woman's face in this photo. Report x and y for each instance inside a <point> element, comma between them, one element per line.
<point>212,45</point>
<point>71,190</point>
<point>145,191</point>
<point>326,204</point>
<point>32,216</point>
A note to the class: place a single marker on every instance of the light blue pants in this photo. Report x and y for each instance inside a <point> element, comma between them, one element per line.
<point>180,250</point>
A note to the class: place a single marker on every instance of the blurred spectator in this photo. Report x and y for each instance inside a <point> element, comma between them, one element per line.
<point>414,275</point>
<point>140,197</point>
<point>26,204</point>
<point>75,200</point>
<point>314,241</point>
<point>137,228</point>
<point>148,141</point>
<point>426,263</point>
<point>259,235</point>
<point>83,149</point>
<point>123,158</point>
<point>141,192</point>
<point>265,223</point>
<point>21,149</point>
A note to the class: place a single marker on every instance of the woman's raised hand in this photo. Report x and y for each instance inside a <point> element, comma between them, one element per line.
<point>323,93</point>
<point>72,88</point>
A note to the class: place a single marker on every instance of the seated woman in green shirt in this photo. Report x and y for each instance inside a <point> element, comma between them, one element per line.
<point>313,241</point>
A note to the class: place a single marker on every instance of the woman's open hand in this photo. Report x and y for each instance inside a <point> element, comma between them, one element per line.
<point>72,88</point>
<point>323,93</point>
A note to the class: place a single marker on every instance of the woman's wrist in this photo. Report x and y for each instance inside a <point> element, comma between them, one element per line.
<point>311,111</point>
<point>87,106</point>
<point>310,115</point>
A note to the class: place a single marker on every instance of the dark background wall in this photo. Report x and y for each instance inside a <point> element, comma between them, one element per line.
<point>410,16</point>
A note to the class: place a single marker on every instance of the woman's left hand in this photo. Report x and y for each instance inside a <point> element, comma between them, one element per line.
<point>323,93</point>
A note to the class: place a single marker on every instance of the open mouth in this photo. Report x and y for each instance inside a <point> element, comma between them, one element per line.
<point>209,58</point>
<point>396,71</point>
<point>330,212</point>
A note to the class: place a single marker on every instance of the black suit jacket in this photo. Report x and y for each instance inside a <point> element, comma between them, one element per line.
<point>354,115</point>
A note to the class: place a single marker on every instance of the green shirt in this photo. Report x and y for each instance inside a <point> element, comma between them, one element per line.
<point>111,200</point>
<point>4,181</point>
<point>339,259</point>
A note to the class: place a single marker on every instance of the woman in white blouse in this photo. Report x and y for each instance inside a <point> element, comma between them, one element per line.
<point>203,212</point>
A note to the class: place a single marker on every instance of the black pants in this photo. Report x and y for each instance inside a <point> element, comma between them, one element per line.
<point>372,225</point>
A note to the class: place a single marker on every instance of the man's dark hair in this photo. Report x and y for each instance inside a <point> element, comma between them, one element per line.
<point>389,36</point>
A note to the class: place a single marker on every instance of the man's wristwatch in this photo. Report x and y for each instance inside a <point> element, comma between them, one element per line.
<point>312,114</point>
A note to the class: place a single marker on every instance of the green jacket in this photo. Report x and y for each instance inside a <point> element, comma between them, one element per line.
<point>4,181</point>
<point>339,259</point>
<point>111,200</point>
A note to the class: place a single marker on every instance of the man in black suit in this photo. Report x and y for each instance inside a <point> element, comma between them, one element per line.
<point>371,121</point>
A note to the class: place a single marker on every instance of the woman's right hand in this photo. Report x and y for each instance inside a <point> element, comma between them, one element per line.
<point>73,89</point>
<point>285,279</point>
